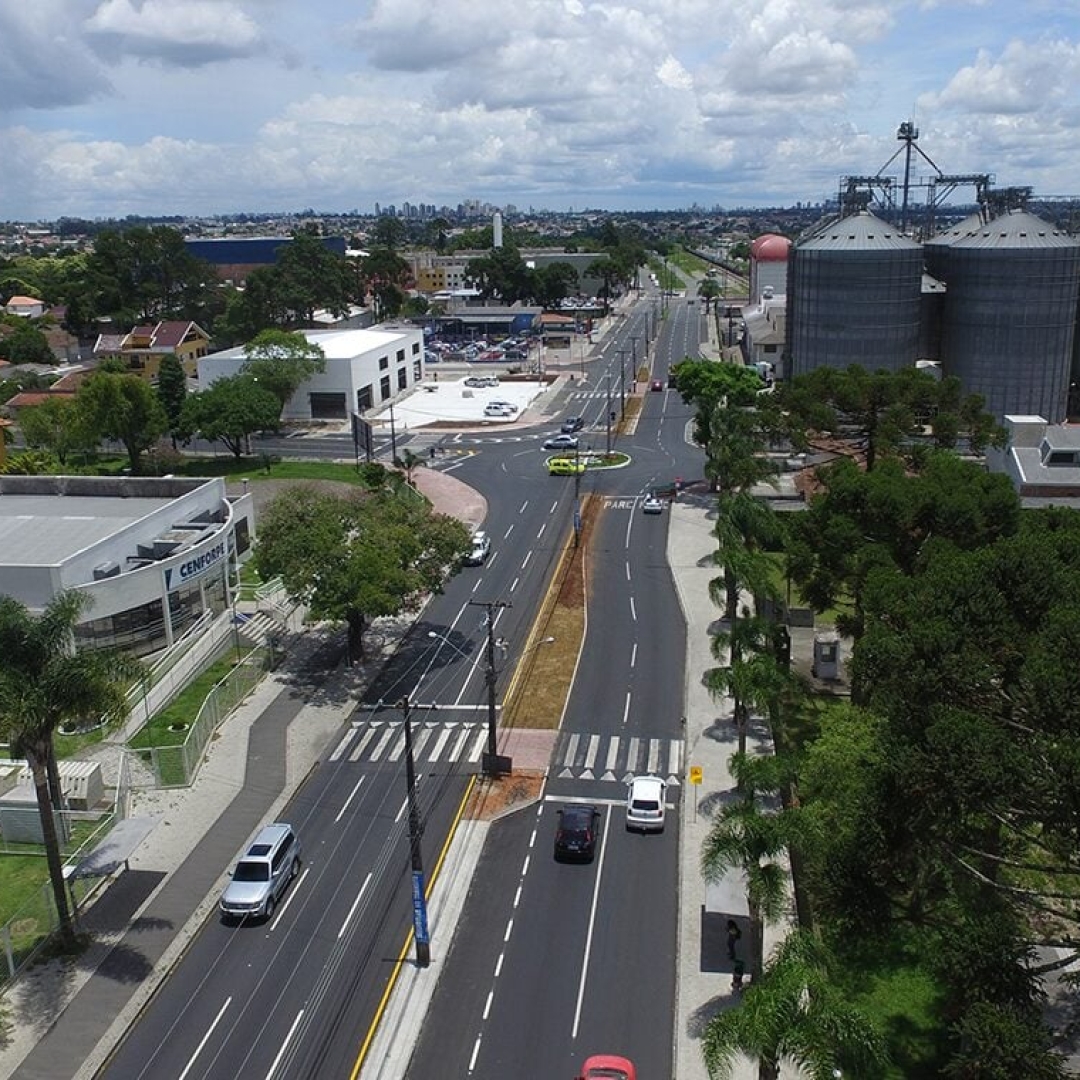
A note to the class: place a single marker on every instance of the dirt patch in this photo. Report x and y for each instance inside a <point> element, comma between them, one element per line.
<point>542,683</point>
<point>492,798</point>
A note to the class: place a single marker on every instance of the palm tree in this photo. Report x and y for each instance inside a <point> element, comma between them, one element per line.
<point>44,682</point>
<point>795,1012</point>
<point>747,839</point>
<point>409,461</point>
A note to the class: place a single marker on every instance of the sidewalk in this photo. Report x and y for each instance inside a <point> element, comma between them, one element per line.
<point>703,973</point>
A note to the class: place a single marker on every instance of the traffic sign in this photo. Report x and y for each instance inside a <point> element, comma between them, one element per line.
<point>695,774</point>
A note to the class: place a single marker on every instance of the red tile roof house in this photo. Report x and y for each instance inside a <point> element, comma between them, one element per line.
<point>144,347</point>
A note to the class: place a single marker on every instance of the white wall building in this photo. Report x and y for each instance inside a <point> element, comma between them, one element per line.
<point>153,554</point>
<point>364,369</point>
<point>1041,459</point>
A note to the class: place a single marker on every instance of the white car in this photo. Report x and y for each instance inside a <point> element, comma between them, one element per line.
<point>645,804</point>
<point>499,408</point>
<point>651,505</point>
<point>481,549</point>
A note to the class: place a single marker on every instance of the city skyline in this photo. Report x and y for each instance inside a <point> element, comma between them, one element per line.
<point>208,107</point>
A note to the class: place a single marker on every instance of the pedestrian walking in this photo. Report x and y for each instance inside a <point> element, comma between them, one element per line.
<point>733,936</point>
<point>737,974</point>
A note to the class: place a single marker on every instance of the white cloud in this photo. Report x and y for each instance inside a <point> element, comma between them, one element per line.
<point>190,33</point>
<point>605,102</point>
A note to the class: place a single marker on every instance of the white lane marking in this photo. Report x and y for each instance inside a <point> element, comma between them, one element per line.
<point>475,1052</point>
<point>541,532</point>
<point>521,508</point>
<point>487,1005</point>
<point>294,889</point>
<point>205,1038</point>
<point>627,571</point>
<point>589,934</point>
<point>554,507</point>
<point>355,905</point>
<point>499,964</point>
<point>401,810</point>
<point>633,655</point>
<point>506,535</point>
<point>514,584</point>
<point>352,794</point>
<point>509,930</point>
<point>517,897</point>
<point>633,610</point>
<point>285,1045</point>
<point>626,708</point>
<point>525,561</point>
<point>525,865</point>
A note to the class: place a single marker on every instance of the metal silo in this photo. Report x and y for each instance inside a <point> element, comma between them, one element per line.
<point>1010,314</point>
<point>853,297</point>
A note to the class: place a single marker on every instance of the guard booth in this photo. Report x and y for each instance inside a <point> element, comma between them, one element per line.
<point>826,663</point>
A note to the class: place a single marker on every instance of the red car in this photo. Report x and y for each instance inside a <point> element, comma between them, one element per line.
<point>608,1067</point>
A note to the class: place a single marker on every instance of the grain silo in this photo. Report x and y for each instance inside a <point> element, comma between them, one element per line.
<point>853,297</point>
<point>768,265</point>
<point>1010,313</point>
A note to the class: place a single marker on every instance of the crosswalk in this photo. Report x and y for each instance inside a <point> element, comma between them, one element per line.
<point>577,755</point>
<point>383,741</point>
<point>581,756</point>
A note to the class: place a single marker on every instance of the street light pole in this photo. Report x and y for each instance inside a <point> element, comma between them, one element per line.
<point>393,434</point>
<point>492,763</point>
<point>633,356</point>
<point>419,897</point>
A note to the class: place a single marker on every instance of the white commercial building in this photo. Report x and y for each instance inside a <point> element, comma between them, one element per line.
<point>364,369</point>
<point>153,554</point>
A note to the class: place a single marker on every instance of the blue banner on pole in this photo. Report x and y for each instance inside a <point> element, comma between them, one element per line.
<point>420,926</point>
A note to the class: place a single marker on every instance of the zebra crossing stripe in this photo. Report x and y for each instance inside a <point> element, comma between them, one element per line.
<point>380,746</point>
<point>654,755</point>
<point>590,754</point>
<point>340,748</point>
<point>440,742</point>
<point>364,740</point>
<point>478,746</point>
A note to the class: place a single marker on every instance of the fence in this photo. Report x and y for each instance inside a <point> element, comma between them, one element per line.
<point>176,766</point>
<point>24,934</point>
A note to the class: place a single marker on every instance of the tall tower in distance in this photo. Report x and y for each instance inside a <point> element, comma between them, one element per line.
<point>496,230</point>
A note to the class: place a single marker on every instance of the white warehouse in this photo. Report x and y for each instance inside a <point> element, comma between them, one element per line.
<point>364,369</point>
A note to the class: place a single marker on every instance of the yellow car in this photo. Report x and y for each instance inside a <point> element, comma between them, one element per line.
<point>565,466</point>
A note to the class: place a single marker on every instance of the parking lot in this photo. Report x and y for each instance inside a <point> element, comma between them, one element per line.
<point>447,398</point>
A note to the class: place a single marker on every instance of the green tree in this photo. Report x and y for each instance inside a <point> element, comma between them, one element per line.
<point>144,274</point>
<point>57,424</point>
<point>706,385</point>
<point>501,274</point>
<point>796,1012</point>
<point>709,290</point>
<point>553,283</point>
<point>123,407</point>
<point>45,682</point>
<point>886,411</point>
<point>356,557</point>
<point>27,345</point>
<point>862,520</point>
<point>281,361</point>
<point>309,276</point>
<point>388,233</point>
<point>409,461</point>
<point>172,390</point>
<point>231,410</point>
<point>384,274</point>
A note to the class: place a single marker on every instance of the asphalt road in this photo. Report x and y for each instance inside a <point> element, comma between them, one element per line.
<point>553,962</point>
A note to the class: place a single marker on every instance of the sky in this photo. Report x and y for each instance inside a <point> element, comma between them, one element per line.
<point>204,107</point>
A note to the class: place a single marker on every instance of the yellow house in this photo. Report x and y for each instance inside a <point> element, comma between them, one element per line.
<point>143,348</point>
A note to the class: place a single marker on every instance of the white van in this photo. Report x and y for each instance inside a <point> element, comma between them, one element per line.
<point>263,873</point>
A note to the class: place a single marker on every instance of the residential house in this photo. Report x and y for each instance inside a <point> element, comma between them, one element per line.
<point>143,348</point>
<point>27,307</point>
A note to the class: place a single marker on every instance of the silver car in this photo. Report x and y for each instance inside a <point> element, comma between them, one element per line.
<point>263,873</point>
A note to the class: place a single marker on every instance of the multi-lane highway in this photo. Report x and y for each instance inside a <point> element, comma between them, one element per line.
<point>552,961</point>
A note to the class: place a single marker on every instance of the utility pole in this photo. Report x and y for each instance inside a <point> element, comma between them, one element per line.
<point>633,356</point>
<point>608,413</point>
<point>492,763</point>
<point>419,897</point>
<point>622,383</point>
<point>393,434</point>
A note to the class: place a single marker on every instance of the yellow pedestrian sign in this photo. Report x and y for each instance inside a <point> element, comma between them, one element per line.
<point>695,774</point>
